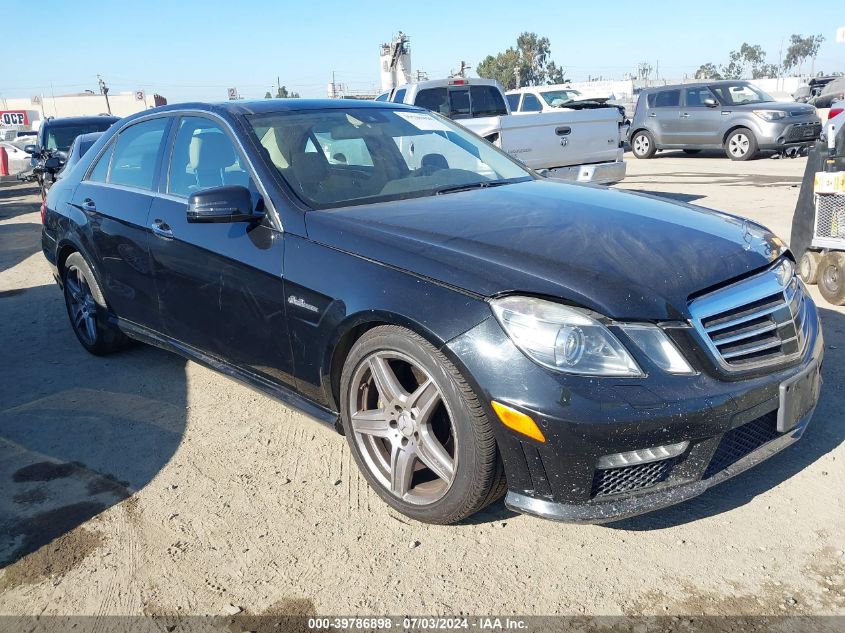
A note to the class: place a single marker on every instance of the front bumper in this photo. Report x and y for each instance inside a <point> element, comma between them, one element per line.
<point>594,173</point>
<point>584,418</point>
<point>786,133</point>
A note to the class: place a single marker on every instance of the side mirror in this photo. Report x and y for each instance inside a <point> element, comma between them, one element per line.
<point>231,203</point>
<point>54,162</point>
<point>710,102</point>
<point>32,149</point>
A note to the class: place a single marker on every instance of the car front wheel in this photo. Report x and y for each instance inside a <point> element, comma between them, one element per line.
<point>741,145</point>
<point>416,429</point>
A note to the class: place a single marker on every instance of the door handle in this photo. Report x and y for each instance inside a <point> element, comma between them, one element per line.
<point>563,131</point>
<point>162,229</point>
<point>89,205</point>
<point>725,112</point>
<point>685,115</point>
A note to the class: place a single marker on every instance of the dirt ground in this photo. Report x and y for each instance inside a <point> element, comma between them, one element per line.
<point>144,484</point>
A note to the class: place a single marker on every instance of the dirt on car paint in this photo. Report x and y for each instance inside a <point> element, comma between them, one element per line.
<point>238,502</point>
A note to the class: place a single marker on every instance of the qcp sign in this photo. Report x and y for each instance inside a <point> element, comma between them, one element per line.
<point>9,118</point>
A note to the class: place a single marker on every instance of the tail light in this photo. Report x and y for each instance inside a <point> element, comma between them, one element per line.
<point>835,111</point>
<point>44,212</point>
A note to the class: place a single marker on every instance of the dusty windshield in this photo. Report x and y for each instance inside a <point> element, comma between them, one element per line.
<point>557,98</point>
<point>739,94</point>
<point>333,158</point>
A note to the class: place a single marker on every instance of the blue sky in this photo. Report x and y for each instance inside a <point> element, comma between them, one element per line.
<point>187,49</point>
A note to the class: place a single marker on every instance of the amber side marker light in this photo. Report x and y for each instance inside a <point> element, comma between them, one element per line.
<point>518,421</point>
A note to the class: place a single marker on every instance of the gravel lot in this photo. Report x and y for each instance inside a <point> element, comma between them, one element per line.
<point>144,484</point>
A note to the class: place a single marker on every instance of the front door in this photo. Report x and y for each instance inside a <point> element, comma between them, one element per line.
<point>220,286</point>
<point>701,124</point>
<point>115,197</point>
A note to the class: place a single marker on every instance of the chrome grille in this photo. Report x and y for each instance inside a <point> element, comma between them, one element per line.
<point>756,322</point>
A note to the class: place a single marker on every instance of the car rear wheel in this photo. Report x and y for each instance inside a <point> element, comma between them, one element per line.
<point>86,309</point>
<point>832,278</point>
<point>741,145</point>
<point>642,144</point>
<point>808,267</point>
<point>416,429</point>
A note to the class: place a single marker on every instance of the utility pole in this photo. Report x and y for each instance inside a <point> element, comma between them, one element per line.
<point>104,90</point>
<point>278,87</point>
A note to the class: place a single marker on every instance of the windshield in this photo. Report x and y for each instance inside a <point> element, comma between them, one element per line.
<point>334,158</point>
<point>59,137</point>
<point>557,98</point>
<point>739,94</point>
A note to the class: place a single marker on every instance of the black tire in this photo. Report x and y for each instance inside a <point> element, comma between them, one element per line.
<point>741,144</point>
<point>642,144</point>
<point>84,299</point>
<point>808,267</point>
<point>692,152</point>
<point>478,477</point>
<point>831,279</point>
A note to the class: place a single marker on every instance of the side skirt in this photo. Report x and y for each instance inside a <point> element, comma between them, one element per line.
<point>285,395</point>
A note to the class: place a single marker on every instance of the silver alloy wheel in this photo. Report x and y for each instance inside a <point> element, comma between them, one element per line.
<point>81,304</point>
<point>406,436</point>
<point>641,144</point>
<point>739,145</point>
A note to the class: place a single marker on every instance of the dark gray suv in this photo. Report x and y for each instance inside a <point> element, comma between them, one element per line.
<point>734,115</point>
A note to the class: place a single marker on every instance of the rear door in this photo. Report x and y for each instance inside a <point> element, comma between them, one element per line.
<point>115,197</point>
<point>663,116</point>
<point>700,125</point>
<point>220,286</point>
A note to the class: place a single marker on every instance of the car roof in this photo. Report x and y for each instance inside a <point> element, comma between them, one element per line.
<point>697,84</point>
<point>78,120</point>
<point>262,106</point>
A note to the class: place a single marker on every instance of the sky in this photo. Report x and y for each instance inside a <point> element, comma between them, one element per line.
<point>195,50</point>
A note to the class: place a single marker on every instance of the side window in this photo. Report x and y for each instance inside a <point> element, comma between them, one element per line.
<point>203,157</point>
<point>695,97</point>
<point>530,103</point>
<point>513,102</point>
<point>101,169</point>
<point>136,152</point>
<point>399,97</point>
<point>434,99</point>
<point>667,99</point>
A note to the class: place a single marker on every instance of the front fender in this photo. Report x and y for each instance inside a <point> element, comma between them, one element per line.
<point>331,295</point>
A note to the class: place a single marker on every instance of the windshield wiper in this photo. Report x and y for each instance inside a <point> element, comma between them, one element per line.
<point>473,185</point>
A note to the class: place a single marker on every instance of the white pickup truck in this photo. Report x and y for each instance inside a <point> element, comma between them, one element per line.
<point>576,145</point>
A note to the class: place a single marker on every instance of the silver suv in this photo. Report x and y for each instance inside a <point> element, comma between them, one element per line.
<point>734,115</point>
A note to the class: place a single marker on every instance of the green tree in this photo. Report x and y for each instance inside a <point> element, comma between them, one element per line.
<point>708,71</point>
<point>748,61</point>
<point>267,95</point>
<point>282,93</point>
<point>527,64</point>
<point>800,49</point>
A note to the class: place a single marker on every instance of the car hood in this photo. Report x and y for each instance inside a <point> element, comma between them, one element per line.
<point>623,254</point>
<point>792,109</point>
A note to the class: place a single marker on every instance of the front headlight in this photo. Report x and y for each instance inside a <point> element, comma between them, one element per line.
<point>563,338</point>
<point>770,115</point>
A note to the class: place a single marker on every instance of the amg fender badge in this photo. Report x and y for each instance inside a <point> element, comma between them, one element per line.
<point>302,303</point>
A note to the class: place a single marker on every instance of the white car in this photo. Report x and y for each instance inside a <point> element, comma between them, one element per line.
<point>14,152</point>
<point>582,145</point>
<point>835,117</point>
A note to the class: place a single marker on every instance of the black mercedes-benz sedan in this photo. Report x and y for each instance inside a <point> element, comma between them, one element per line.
<point>471,327</point>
